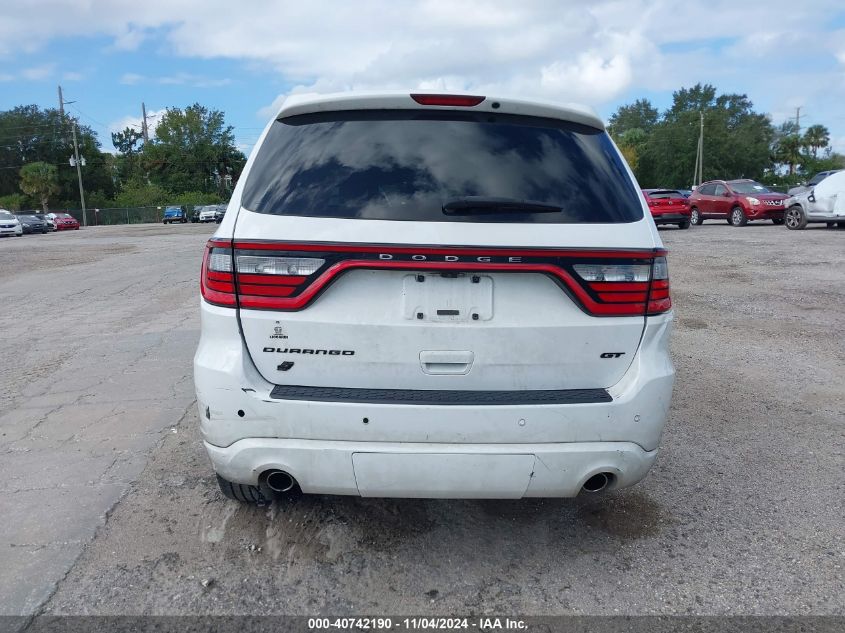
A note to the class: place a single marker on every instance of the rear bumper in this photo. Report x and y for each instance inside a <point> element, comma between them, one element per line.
<point>246,431</point>
<point>671,218</point>
<point>383,469</point>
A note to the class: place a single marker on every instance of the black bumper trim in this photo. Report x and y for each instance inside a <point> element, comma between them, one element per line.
<point>670,218</point>
<point>442,397</point>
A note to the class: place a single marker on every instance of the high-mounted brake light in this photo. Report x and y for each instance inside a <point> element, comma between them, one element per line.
<point>465,101</point>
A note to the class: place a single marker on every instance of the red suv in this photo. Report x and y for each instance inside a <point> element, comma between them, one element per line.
<point>668,206</point>
<point>736,201</point>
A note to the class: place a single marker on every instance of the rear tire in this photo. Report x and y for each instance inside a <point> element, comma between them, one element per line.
<point>684,225</point>
<point>795,218</point>
<point>695,216</point>
<point>737,217</point>
<point>241,492</point>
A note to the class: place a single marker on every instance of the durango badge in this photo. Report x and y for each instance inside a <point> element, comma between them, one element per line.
<point>298,350</point>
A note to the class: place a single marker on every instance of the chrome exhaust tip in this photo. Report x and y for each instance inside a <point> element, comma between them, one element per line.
<point>280,481</point>
<point>597,482</point>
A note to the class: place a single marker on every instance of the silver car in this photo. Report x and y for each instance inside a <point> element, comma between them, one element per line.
<point>807,186</point>
<point>823,203</point>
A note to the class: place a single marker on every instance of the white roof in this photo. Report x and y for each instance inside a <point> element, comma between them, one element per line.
<point>310,103</point>
<point>830,186</point>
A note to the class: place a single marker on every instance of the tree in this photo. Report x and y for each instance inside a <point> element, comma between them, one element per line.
<point>193,150</point>
<point>128,164</point>
<point>737,140</point>
<point>632,143</point>
<point>816,137</point>
<point>126,142</point>
<point>640,115</point>
<point>136,193</point>
<point>30,134</point>
<point>40,180</point>
<point>786,146</point>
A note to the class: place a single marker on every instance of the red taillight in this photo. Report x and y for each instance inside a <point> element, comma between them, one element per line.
<point>465,101</point>
<point>286,276</point>
<point>217,282</point>
<point>659,300</point>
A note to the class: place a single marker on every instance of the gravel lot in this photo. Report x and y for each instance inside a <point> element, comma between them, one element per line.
<point>743,513</point>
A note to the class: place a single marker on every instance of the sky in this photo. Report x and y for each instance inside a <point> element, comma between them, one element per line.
<point>245,57</point>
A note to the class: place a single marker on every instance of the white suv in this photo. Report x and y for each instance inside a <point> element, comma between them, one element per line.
<point>433,296</point>
<point>208,213</point>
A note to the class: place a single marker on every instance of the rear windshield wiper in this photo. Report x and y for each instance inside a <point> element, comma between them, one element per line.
<point>482,204</point>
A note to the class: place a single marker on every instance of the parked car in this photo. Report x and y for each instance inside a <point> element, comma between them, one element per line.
<point>475,305</point>
<point>64,221</point>
<point>220,213</point>
<point>824,203</point>
<point>9,224</point>
<point>32,224</point>
<point>736,201</point>
<point>794,191</point>
<point>208,213</point>
<point>51,226</point>
<point>668,206</point>
<point>195,213</point>
<point>174,214</point>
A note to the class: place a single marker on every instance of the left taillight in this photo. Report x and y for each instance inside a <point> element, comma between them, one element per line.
<point>217,282</point>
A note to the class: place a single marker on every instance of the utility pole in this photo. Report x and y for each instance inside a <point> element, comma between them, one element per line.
<point>698,170</point>
<point>75,160</point>
<point>701,148</point>
<point>144,129</point>
<point>798,119</point>
<point>79,175</point>
<point>695,169</point>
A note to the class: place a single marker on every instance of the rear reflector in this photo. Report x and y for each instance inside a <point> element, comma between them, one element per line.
<point>262,275</point>
<point>465,101</point>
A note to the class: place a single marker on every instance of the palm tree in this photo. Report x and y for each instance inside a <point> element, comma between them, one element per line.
<point>788,151</point>
<point>40,180</point>
<point>816,137</point>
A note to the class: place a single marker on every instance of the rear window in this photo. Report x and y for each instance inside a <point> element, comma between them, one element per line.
<point>406,165</point>
<point>665,194</point>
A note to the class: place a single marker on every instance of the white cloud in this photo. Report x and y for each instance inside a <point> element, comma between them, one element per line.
<point>130,79</point>
<point>38,73</point>
<point>568,50</point>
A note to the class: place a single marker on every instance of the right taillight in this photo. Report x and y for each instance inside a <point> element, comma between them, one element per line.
<point>659,300</point>
<point>631,288</point>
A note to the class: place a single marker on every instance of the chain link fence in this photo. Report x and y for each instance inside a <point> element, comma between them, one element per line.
<point>122,215</point>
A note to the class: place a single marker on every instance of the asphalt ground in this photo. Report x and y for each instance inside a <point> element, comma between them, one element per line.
<point>111,507</point>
